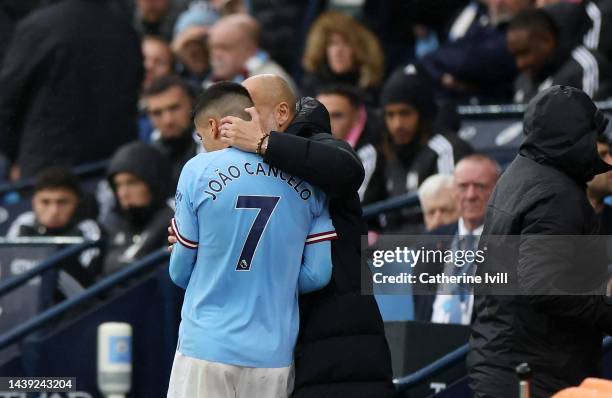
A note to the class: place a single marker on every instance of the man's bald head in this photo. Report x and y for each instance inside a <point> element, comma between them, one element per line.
<point>244,24</point>
<point>232,41</point>
<point>270,90</point>
<point>274,100</point>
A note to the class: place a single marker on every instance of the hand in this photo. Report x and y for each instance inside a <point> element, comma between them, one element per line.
<point>240,133</point>
<point>171,238</point>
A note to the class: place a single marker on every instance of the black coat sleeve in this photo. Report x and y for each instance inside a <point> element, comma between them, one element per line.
<point>322,160</point>
<point>24,56</point>
<point>540,263</point>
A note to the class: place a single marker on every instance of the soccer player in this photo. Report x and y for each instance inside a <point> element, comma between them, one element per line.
<point>249,238</point>
<point>301,144</point>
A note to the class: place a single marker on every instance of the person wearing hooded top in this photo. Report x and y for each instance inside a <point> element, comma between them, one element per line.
<point>139,177</point>
<point>587,22</point>
<point>412,149</point>
<point>543,192</point>
<point>546,57</point>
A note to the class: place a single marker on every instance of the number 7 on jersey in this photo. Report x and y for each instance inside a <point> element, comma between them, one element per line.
<point>266,206</point>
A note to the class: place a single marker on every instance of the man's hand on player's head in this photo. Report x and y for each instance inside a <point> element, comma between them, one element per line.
<point>242,134</point>
<point>171,238</point>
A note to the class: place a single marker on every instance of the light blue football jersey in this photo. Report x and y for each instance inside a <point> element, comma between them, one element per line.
<point>250,237</point>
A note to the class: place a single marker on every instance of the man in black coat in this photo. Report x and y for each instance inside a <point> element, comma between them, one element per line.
<point>70,81</point>
<point>542,193</point>
<point>341,350</point>
<point>11,11</point>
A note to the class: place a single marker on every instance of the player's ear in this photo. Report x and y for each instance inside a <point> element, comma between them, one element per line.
<point>213,124</point>
<point>282,114</point>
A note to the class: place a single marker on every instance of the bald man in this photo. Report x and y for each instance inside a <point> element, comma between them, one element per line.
<point>275,102</point>
<point>306,149</point>
<point>235,54</point>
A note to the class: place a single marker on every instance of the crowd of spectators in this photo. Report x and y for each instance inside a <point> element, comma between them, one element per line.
<point>84,80</point>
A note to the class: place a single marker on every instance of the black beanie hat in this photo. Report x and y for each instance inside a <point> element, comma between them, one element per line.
<point>408,87</point>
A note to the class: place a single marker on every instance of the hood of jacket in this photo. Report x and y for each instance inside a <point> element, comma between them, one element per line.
<point>146,162</point>
<point>311,118</point>
<point>561,126</point>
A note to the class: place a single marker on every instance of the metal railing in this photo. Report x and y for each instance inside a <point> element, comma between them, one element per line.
<point>431,370</point>
<point>41,240</point>
<point>52,262</point>
<point>45,317</point>
<point>451,359</point>
<point>497,110</point>
<point>395,203</point>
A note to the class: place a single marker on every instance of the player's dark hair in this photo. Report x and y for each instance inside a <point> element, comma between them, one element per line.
<point>218,93</point>
<point>165,83</point>
<point>534,20</point>
<point>353,95</point>
<point>57,178</point>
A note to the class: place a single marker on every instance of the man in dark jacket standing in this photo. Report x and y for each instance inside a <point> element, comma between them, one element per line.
<point>70,81</point>
<point>543,193</point>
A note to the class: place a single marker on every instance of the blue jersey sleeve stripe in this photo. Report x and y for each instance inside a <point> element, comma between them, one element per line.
<point>321,237</point>
<point>182,240</point>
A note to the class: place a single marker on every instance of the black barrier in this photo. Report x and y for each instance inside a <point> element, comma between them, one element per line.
<point>490,127</point>
<point>431,370</point>
<point>496,110</point>
<point>395,203</point>
<point>150,304</point>
<point>29,299</point>
<point>403,384</point>
<point>51,262</point>
<point>102,286</point>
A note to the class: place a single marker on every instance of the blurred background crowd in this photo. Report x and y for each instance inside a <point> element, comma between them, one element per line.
<point>83,81</point>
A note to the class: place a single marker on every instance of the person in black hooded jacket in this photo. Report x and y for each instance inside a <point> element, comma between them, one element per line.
<point>341,350</point>
<point>415,146</point>
<point>548,55</point>
<point>542,193</point>
<point>140,178</point>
